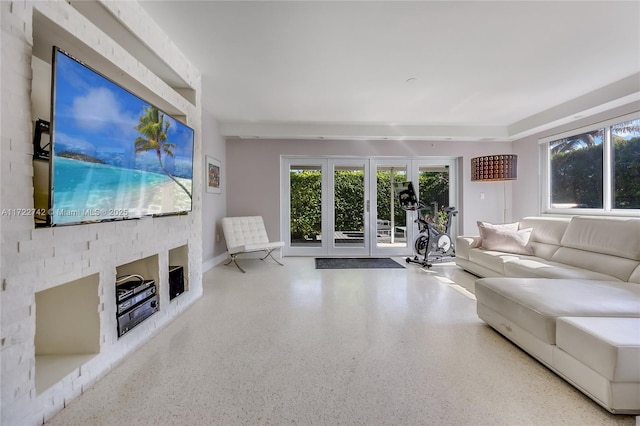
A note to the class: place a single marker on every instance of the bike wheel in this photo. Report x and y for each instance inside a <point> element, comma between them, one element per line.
<point>421,244</point>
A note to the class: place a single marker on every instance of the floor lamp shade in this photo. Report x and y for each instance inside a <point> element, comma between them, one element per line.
<point>494,167</point>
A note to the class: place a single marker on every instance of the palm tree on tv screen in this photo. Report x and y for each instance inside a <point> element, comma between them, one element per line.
<point>153,129</point>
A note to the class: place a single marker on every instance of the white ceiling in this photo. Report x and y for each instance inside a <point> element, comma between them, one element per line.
<point>423,70</point>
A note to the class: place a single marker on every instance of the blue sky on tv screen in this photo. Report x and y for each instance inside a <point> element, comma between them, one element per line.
<point>96,117</point>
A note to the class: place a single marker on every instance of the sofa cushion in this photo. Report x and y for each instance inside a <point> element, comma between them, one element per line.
<point>609,346</point>
<point>534,303</point>
<point>464,244</point>
<point>493,260</point>
<point>635,275</point>
<point>547,230</point>
<point>613,236</point>
<point>543,250</point>
<point>619,267</point>
<point>534,267</point>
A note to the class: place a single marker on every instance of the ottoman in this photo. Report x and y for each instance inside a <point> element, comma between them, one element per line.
<point>527,312</point>
<point>602,355</point>
<point>535,303</point>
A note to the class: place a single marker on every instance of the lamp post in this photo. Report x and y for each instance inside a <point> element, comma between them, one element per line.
<point>501,167</point>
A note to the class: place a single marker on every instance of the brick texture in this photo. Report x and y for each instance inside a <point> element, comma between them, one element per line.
<point>34,259</point>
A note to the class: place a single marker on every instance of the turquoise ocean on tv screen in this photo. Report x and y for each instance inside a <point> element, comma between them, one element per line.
<point>108,192</point>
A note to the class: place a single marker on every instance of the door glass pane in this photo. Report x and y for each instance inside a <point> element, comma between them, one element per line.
<point>349,206</point>
<point>625,138</point>
<point>391,220</point>
<point>433,182</point>
<point>306,205</point>
<point>576,171</point>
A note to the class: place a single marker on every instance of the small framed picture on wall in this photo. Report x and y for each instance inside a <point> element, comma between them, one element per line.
<point>213,171</point>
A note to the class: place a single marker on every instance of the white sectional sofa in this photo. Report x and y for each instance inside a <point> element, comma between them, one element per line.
<point>580,247</point>
<point>569,296</point>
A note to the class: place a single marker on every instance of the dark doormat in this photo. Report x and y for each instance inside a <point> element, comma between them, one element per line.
<point>356,263</point>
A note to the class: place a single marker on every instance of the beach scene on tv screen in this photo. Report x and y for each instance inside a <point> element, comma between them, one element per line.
<point>115,156</point>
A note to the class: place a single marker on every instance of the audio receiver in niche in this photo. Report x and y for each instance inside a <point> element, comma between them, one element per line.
<point>136,301</point>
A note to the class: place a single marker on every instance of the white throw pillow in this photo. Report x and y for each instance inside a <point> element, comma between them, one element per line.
<point>506,238</point>
<point>482,226</point>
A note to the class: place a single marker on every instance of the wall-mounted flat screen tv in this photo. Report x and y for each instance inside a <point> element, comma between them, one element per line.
<point>113,156</point>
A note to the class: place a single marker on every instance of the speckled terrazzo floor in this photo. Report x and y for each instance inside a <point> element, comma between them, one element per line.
<point>296,345</point>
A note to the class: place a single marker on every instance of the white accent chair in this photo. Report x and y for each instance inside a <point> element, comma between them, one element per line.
<point>247,234</point>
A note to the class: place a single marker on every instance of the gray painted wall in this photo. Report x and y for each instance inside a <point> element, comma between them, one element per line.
<point>526,191</point>
<point>253,173</point>
<point>214,206</point>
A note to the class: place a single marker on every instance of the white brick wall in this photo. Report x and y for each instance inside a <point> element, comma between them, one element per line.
<point>33,260</point>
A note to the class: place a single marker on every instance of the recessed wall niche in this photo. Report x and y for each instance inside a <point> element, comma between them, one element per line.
<point>178,271</point>
<point>147,267</point>
<point>136,300</point>
<point>67,329</point>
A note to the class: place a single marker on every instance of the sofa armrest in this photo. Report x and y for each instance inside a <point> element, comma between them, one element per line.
<point>464,243</point>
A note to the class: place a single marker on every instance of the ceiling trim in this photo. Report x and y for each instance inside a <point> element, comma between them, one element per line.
<point>247,130</point>
<point>622,92</point>
<point>616,94</point>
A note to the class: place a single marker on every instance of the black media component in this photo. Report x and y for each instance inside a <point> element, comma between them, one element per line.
<point>136,298</point>
<point>41,151</point>
<point>130,288</point>
<point>136,301</point>
<point>137,314</point>
<point>176,281</point>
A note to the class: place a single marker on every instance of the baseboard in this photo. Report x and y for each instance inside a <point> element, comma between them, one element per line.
<point>214,261</point>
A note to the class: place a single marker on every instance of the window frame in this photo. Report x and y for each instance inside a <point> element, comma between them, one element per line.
<point>607,170</point>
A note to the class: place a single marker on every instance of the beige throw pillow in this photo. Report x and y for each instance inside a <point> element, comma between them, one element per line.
<point>482,226</point>
<point>506,238</point>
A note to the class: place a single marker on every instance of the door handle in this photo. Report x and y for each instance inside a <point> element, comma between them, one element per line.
<point>368,205</point>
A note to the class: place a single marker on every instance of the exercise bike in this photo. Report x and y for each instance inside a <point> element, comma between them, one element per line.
<point>430,245</point>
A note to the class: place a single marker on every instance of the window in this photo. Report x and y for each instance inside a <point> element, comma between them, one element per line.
<point>596,168</point>
<point>625,141</point>
<point>576,171</point>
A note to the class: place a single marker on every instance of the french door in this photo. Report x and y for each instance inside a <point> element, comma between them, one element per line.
<point>335,206</point>
<point>324,206</point>
<point>392,232</point>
